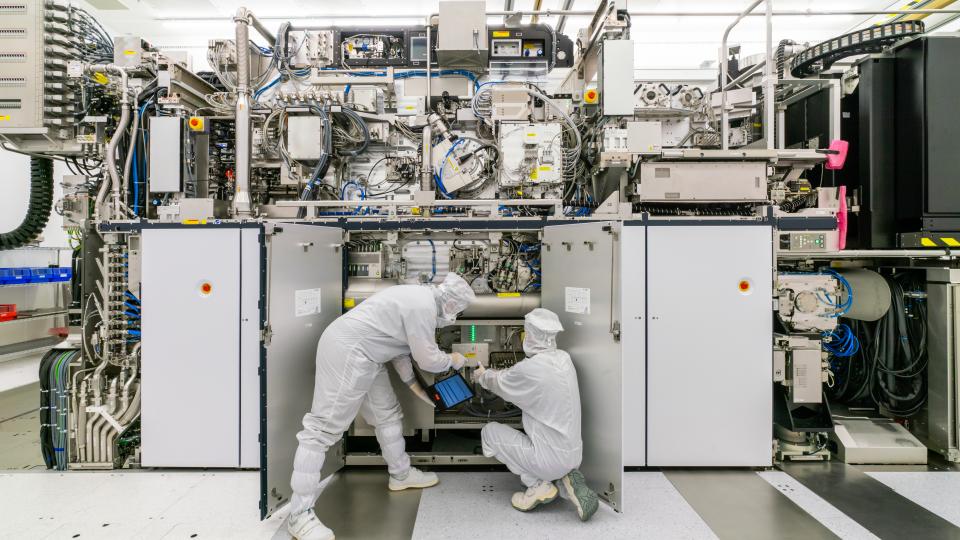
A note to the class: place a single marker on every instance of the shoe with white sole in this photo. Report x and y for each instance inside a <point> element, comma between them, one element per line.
<point>415,479</point>
<point>583,498</point>
<point>307,526</point>
<point>542,493</point>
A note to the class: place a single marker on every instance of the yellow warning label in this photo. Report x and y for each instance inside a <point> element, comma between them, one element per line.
<point>128,52</point>
<point>546,168</point>
<point>501,33</point>
<point>349,302</point>
<point>470,355</point>
<point>950,242</point>
<point>100,78</point>
<point>194,222</point>
<point>5,118</point>
<point>926,242</point>
<point>508,295</point>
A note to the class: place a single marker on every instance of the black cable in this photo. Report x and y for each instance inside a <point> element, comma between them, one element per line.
<point>38,209</point>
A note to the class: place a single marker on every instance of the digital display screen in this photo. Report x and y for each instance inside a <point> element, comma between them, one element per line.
<point>451,391</point>
<point>418,49</point>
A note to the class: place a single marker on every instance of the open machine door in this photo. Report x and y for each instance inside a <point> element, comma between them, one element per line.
<point>581,271</point>
<point>303,294</point>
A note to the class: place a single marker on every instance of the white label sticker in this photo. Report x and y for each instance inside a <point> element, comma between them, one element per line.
<point>577,300</point>
<point>306,302</point>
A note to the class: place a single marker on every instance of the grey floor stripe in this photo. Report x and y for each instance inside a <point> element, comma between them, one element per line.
<point>357,504</point>
<point>741,505</point>
<point>869,502</point>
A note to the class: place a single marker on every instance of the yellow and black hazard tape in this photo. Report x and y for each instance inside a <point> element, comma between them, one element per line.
<point>930,240</point>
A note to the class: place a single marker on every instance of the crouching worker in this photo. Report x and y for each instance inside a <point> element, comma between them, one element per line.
<point>544,387</point>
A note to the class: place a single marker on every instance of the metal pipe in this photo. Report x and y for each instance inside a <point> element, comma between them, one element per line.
<point>426,165</point>
<point>743,76</point>
<point>429,68</point>
<point>486,306</point>
<point>562,21</point>
<point>872,254</point>
<point>241,197</point>
<point>133,136</point>
<point>724,127</point>
<point>570,12</point>
<point>492,306</point>
<point>110,156</point>
<point>769,84</point>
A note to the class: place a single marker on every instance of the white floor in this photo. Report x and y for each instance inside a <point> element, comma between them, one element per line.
<point>466,505</point>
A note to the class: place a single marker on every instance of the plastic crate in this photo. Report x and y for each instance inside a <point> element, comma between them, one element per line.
<point>17,276</point>
<point>8,312</point>
<point>62,273</point>
<point>41,275</point>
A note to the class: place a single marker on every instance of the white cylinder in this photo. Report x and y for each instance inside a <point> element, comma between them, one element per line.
<point>871,294</point>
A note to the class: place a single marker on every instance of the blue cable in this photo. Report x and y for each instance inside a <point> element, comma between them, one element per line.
<point>843,307</point>
<point>443,164</point>
<point>266,87</point>
<point>842,343</point>
<point>131,306</point>
<point>433,265</point>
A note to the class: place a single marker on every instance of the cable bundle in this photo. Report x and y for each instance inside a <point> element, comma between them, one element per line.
<point>55,406</point>
<point>889,368</point>
<point>842,342</point>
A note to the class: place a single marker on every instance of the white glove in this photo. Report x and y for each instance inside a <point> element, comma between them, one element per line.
<point>457,360</point>
<point>421,393</point>
<point>477,373</point>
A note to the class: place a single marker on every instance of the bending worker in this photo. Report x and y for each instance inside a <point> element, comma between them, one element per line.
<point>393,324</point>
<point>544,387</point>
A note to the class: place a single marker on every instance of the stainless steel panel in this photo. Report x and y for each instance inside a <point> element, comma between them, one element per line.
<point>709,346</point>
<point>299,258</point>
<point>166,151</point>
<point>580,276</point>
<point>943,300</point>
<point>190,347</point>
<point>633,340</point>
<point>698,181</point>
<point>250,259</point>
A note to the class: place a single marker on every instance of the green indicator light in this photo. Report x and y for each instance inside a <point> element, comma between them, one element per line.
<point>473,333</point>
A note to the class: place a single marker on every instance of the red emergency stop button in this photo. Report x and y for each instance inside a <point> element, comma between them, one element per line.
<point>591,96</point>
<point>744,286</point>
<point>195,123</point>
<point>206,288</point>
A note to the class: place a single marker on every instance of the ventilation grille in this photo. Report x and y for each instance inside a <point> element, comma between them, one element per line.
<point>12,81</point>
<point>9,104</point>
<point>15,33</point>
<point>12,57</point>
<point>10,8</point>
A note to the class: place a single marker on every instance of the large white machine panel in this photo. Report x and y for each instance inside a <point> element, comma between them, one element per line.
<point>581,272</point>
<point>633,342</point>
<point>709,356</point>
<point>190,347</point>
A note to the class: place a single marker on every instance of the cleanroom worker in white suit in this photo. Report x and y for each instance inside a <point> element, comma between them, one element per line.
<point>544,387</point>
<point>351,377</point>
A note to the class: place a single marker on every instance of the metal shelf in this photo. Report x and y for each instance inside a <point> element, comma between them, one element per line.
<point>37,315</point>
<point>18,285</point>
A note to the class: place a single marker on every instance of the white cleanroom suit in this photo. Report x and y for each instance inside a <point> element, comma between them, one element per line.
<point>544,387</point>
<point>394,324</point>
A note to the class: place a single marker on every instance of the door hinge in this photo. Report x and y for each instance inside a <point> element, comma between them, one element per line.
<point>266,334</point>
<point>615,330</point>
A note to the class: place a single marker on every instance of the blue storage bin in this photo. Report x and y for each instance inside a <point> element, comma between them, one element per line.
<point>42,275</point>
<point>21,275</point>
<point>63,273</point>
<point>6,276</point>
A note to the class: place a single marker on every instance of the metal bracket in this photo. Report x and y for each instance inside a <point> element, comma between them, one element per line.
<point>266,335</point>
<point>615,330</point>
